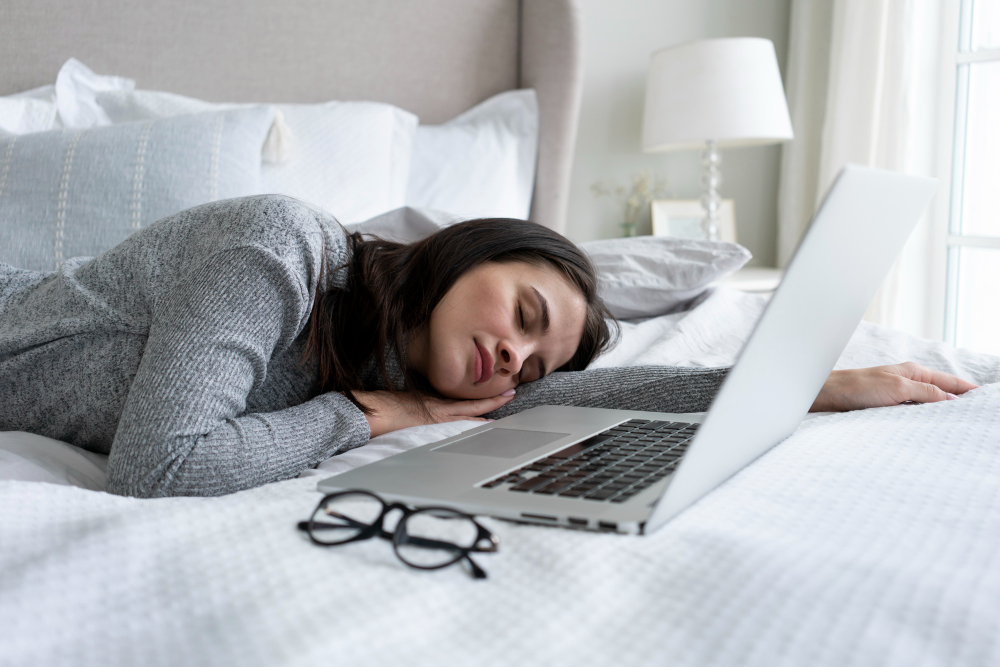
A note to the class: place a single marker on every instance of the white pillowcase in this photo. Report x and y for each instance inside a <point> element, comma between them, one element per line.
<point>482,162</point>
<point>645,276</point>
<point>355,159</point>
<point>27,457</point>
<point>38,110</point>
<point>23,114</point>
<point>77,193</point>
<point>350,158</point>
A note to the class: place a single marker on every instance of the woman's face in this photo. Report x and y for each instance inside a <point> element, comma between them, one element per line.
<point>500,324</point>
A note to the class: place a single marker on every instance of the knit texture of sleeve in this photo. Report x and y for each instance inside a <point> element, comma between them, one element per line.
<point>183,431</point>
<point>652,388</point>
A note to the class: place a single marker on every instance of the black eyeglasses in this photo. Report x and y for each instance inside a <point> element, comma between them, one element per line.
<point>427,538</point>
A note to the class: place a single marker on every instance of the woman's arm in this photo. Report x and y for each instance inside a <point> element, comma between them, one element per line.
<point>182,430</point>
<point>675,389</point>
<point>653,388</point>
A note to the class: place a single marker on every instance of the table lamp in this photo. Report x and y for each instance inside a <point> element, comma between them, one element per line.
<point>712,94</point>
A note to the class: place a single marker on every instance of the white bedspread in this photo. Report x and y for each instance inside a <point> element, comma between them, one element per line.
<point>866,538</point>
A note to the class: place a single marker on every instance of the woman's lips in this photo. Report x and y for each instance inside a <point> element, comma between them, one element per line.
<point>484,364</point>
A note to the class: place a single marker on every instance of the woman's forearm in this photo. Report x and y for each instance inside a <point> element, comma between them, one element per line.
<point>652,388</point>
<point>151,459</point>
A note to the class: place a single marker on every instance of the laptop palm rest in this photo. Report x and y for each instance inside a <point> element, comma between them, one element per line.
<point>502,443</point>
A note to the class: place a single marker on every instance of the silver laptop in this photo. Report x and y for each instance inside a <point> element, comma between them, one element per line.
<point>631,472</point>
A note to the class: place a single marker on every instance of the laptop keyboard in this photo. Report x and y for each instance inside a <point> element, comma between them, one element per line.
<point>611,466</point>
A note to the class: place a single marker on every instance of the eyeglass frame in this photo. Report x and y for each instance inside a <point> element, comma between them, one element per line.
<point>376,529</point>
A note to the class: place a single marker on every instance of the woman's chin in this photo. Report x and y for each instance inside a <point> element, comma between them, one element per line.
<point>452,387</point>
<point>463,391</point>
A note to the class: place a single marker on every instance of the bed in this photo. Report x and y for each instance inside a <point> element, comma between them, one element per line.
<point>865,538</point>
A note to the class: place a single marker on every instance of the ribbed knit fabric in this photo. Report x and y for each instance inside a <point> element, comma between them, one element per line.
<point>178,353</point>
<point>653,388</point>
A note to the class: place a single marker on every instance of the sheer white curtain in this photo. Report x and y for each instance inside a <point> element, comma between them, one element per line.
<point>864,85</point>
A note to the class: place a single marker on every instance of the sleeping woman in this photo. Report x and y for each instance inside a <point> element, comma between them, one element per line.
<point>243,341</point>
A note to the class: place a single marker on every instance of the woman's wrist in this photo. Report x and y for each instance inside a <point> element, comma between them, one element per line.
<point>377,422</point>
<point>830,397</point>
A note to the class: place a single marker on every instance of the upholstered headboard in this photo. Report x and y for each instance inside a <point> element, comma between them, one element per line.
<point>435,58</point>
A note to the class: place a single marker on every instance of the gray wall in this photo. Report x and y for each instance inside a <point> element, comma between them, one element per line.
<point>619,36</point>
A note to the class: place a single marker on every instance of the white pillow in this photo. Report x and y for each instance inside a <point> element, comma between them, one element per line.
<point>645,276</point>
<point>28,457</point>
<point>37,110</point>
<point>482,162</point>
<point>77,193</point>
<point>350,158</point>
<point>22,114</point>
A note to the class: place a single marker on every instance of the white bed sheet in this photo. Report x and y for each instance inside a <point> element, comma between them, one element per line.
<point>866,538</point>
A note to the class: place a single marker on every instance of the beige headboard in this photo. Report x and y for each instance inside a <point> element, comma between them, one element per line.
<point>435,58</point>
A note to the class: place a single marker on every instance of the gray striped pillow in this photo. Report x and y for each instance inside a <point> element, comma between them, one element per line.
<point>72,193</point>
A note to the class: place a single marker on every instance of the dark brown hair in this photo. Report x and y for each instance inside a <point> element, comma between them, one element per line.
<point>391,289</point>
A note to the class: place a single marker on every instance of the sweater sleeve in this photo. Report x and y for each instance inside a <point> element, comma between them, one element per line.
<point>183,430</point>
<point>653,388</point>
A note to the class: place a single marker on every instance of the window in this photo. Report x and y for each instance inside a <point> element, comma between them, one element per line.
<point>972,298</point>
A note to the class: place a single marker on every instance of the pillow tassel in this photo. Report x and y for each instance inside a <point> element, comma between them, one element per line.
<point>280,142</point>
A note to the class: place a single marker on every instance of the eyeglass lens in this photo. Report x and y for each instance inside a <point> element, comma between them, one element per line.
<point>344,517</point>
<point>432,538</point>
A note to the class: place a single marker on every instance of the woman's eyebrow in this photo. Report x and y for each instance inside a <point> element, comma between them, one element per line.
<point>545,310</point>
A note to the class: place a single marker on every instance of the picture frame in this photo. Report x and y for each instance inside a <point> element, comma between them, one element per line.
<point>682,218</point>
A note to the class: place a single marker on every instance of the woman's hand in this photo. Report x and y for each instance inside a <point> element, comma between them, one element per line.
<point>886,385</point>
<point>402,410</point>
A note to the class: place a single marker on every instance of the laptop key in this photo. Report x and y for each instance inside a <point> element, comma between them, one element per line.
<point>554,487</point>
<point>601,494</point>
<point>529,484</point>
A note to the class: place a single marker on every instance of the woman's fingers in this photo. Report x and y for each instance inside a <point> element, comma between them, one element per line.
<point>478,406</point>
<point>945,381</point>
<point>922,392</point>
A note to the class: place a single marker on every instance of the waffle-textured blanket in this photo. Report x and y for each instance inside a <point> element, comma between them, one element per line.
<point>866,538</point>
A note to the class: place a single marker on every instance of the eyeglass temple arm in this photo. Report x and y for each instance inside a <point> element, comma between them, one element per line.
<point>304,525</point>
<point>476,571</point>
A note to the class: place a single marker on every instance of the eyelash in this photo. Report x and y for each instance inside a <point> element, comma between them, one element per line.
<point>520,315</point>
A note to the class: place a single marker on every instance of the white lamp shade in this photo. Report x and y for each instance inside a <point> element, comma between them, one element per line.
<point>727,90</point>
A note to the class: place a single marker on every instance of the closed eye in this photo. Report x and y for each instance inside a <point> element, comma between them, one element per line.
<point>541,364</point>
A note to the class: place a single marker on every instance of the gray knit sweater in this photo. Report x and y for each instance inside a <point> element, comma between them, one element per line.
<point>178,352</point>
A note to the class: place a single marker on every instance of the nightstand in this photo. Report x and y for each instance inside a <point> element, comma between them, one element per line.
<point>756,279</point>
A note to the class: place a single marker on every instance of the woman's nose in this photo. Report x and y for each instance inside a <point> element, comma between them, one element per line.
<point>510,359</point>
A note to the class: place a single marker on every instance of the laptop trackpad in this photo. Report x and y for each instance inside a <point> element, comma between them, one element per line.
<point>502,443</point>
